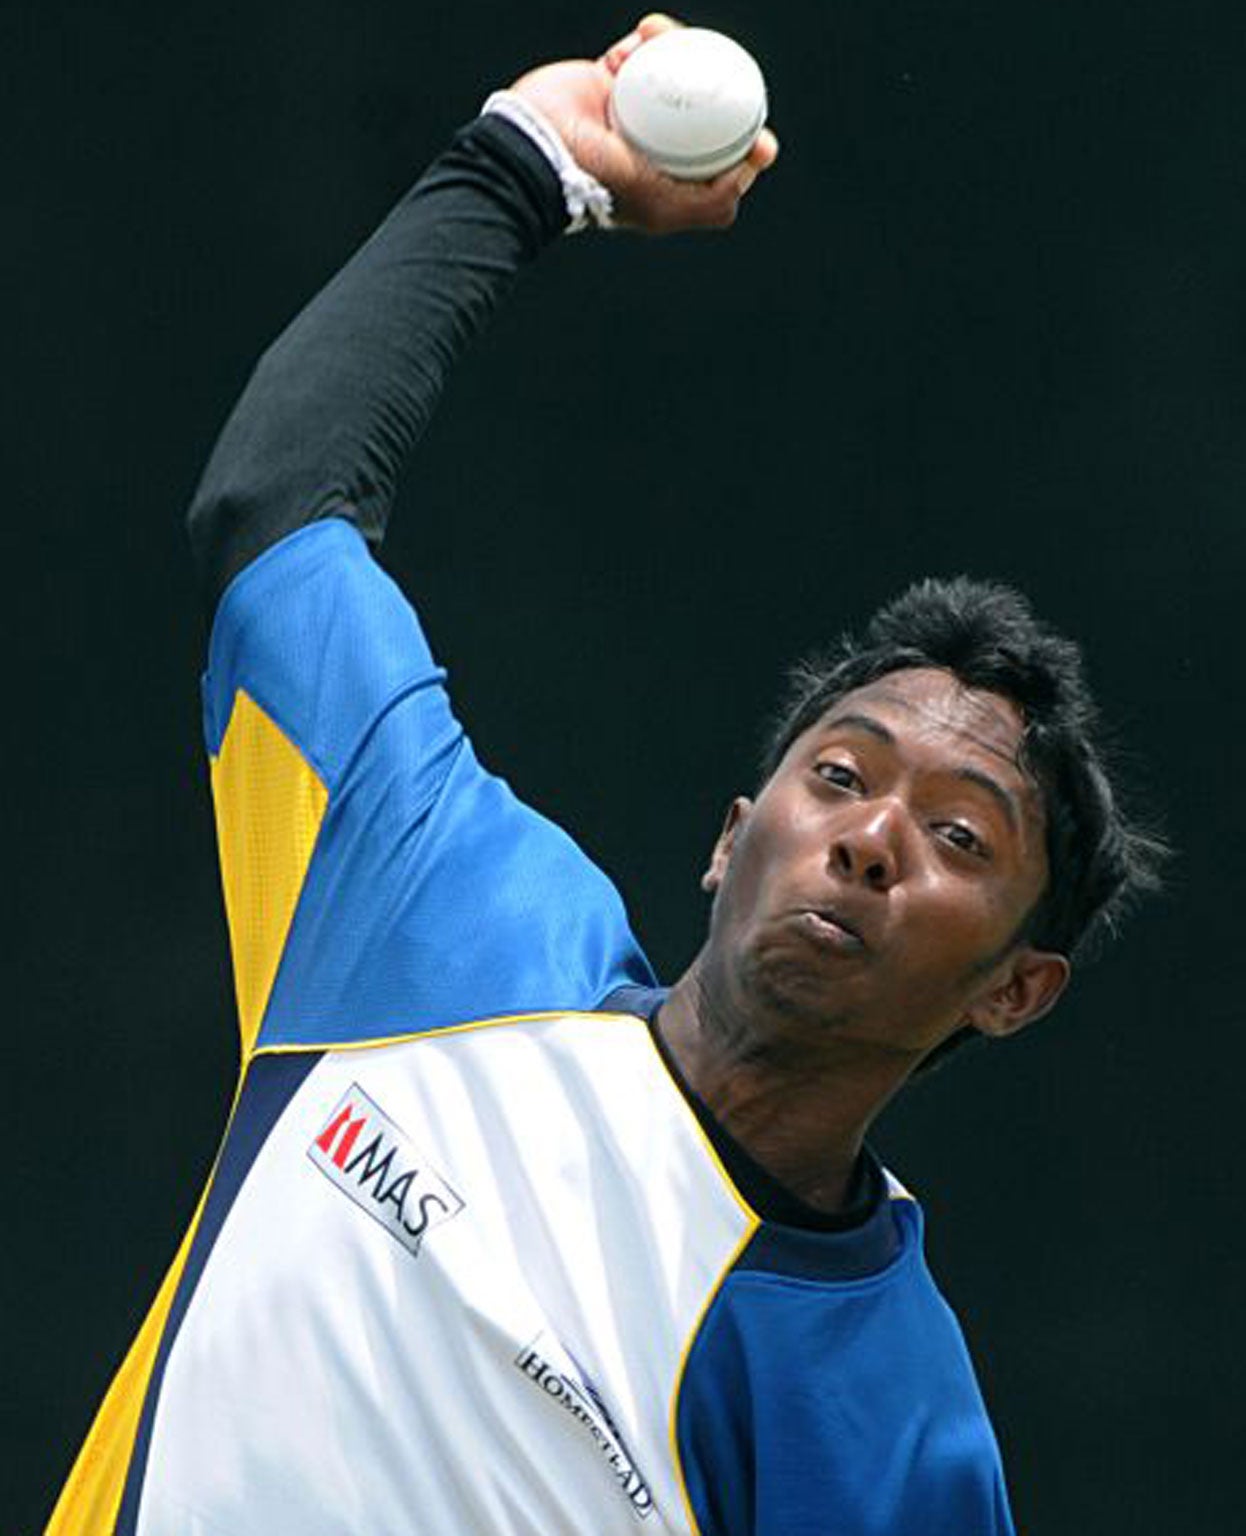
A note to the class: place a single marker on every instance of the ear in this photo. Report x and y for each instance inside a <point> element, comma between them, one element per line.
<point>737,814</point>
<point>1029,987</point>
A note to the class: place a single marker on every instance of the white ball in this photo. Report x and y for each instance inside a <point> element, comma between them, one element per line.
<point>690,100</point>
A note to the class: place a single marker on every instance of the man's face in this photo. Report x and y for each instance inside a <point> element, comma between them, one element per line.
<point>876,885</point>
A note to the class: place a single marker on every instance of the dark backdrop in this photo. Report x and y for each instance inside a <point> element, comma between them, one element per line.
<point>986,315</point>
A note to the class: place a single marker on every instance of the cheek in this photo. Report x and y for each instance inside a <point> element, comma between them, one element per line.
<point>987,935</point>
<point>737,894</point>
<point>954,923</point>
<point>791,833</point>
<point>760,860</point>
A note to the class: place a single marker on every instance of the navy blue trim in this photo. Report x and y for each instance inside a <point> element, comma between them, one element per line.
<point>271,1082</point>
<point>799,1254</point>
<point>643,1002</point>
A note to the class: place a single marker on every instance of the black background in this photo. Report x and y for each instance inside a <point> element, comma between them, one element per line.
<point>985,315</point>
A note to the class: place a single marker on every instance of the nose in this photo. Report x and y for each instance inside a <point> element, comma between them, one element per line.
<point>867,846</point>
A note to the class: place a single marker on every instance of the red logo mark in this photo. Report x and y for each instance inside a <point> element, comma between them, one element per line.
<point>349,1137</point>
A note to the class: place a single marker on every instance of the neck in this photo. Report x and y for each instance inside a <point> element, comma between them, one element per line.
<point>799,1104</point>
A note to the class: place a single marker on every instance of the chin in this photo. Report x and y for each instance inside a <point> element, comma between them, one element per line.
<point>778,986</point>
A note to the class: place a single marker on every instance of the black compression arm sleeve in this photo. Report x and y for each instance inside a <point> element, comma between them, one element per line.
<point>336,402</point>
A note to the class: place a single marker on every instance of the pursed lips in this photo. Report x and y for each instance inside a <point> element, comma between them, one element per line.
<point>833,927</point>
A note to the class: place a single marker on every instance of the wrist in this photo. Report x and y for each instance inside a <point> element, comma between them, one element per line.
<point>588,203</point>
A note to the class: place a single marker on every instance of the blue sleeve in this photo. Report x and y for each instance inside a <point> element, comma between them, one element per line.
<point>810,1407</point>
<point>418,891</point>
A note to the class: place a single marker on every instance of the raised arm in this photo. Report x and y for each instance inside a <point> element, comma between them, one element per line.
<point>335,404</point>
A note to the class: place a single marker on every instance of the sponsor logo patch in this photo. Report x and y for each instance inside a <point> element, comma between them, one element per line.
<point>372,1160</point>
<point>562,1386</point>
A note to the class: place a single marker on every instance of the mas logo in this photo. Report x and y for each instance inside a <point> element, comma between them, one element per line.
<point>370,1159</point>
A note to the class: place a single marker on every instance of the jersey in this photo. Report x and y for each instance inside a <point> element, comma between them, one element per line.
<point>469,1261</point>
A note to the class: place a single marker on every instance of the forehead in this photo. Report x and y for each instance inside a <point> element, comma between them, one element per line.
<point>929,704</point>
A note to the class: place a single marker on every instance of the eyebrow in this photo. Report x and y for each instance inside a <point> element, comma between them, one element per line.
<point>866,723</point>
<point>1006,800</point>
<point>876,728</point>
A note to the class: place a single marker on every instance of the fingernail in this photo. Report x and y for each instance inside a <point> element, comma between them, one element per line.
<point>746,179</point>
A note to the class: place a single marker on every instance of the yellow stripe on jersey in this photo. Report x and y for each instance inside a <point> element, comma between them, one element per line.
<point>269,807</point>
<point>91,1498</point>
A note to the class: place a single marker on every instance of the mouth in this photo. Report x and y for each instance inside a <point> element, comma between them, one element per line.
<point>829,927</point>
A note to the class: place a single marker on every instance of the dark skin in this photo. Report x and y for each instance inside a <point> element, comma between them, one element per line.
<point>866,907</point>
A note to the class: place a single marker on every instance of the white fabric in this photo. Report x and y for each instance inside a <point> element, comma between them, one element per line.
<point>515,1374</point>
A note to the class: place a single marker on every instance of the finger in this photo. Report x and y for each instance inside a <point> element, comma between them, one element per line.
<point>650,26</point>
<point>765,152</point>
<point>731,185</point>
<point>712,204</point>
<point>655,23</point>
<point>615,56</point>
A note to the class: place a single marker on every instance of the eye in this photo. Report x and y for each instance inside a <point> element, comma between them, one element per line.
<point>964,837</point>
<point>838,774</point>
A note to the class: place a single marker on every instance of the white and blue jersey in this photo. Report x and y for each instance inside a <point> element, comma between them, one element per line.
<point>472,1261</point>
